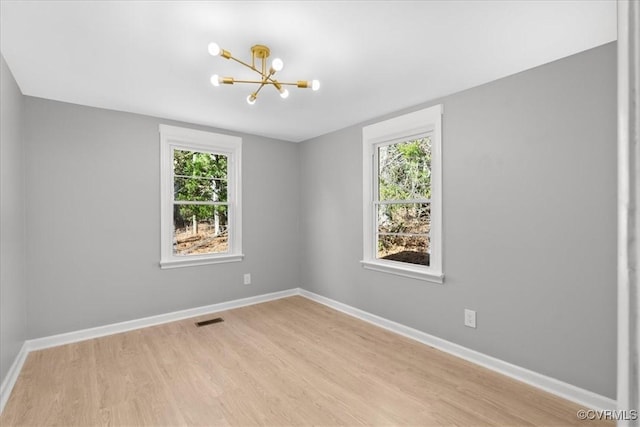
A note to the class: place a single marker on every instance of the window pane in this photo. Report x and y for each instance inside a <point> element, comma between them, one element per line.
<point>197,164</point>
<point>404,170</point>
<point>409,249</point>
<point>200,229</point>
<point>199,189</point>
<point>412,218</point>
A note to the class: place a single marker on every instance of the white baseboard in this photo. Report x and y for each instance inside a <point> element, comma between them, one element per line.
<point>116,328</point>
<point>12,376</point>
<point>583,397</point>
<point>567,391</point>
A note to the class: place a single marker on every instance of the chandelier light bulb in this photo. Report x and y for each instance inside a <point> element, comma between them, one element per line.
<point>215,80</point>
<point>284,93</point>
<point>251,99</point>
<point>315,84</point>
<point>277,64</point>
<point>214,49</point>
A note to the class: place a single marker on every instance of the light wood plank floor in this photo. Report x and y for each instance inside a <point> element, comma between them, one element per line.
<point>285,362</point>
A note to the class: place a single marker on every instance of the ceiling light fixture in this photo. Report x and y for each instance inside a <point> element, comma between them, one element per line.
<point>261,53</point>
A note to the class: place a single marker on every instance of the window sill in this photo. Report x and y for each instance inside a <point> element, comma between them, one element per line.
<point>401,269</point>
<point>191,262</point>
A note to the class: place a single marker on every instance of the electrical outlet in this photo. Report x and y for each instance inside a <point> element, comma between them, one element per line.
<point>469,318</point>
<point>247,279</point>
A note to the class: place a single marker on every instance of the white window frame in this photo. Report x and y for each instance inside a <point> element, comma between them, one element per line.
<point>172,138</point>
<point>427,121</point>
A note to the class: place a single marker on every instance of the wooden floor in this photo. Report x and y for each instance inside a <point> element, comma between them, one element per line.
<point>286,362</point>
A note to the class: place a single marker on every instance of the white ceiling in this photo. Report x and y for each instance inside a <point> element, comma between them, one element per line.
<point>372,57</point>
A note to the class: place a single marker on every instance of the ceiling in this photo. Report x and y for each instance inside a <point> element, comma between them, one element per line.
<point>372,57</point>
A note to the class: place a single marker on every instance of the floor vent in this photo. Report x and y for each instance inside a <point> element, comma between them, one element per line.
<point>209,322</point>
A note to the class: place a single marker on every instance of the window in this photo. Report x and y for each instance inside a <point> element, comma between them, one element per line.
<point>403,195</point>
<point>200,197</point>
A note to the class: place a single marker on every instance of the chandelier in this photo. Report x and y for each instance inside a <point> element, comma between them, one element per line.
<point>259,55</point>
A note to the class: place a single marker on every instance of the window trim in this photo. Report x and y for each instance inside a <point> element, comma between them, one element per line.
<point>173,137</point>
<point>421,122</point>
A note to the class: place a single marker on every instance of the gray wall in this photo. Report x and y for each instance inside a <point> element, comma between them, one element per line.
<point>529,226</point>
<point>529,199</point>
<point>93,180</point>
<point>13,285</point>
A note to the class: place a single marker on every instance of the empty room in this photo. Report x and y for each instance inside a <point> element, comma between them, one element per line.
<point>289,213</point>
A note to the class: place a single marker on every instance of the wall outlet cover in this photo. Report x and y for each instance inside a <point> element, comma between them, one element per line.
<point>469,318</point>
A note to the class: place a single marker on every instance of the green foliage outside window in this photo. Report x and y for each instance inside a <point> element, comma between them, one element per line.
<point>404,174</point>
<point>199,177</point>
<point>405,170</point>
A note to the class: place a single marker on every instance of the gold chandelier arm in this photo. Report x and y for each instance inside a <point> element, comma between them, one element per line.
<point>267,82</point>
<point>255,94</point>
<point>263,73</point>
<point>271,82</point>
<point>300,84</point>
<point>246,65</point>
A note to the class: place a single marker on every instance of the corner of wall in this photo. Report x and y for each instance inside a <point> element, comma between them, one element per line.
<point>13,281</point>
